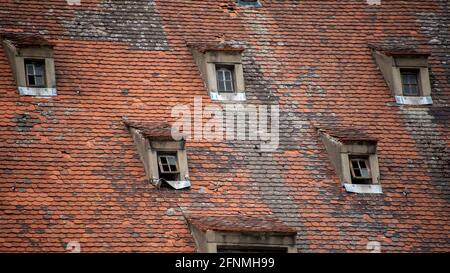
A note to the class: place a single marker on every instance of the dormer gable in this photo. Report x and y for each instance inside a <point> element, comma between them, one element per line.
<point>220,66</point>
<point>32,63</point>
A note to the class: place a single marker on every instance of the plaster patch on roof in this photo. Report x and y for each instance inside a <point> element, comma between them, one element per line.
<point>73,2</point>
<point>134,22</point>
<point>374,2</point>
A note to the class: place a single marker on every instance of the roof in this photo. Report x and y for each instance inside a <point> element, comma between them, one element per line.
<point>240,223</point>
<point>70,171</point>
<point>215,46</point>
<point>348,134</point>
<point>401,48</point>
<point>25,39</point>
<point>152,130</point>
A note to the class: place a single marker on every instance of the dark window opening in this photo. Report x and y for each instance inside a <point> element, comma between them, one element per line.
<point>225,78</point>
<point>250,249</point>
<point>35,71</point>
<point>168,168</point>
<point>410,82</point>
<point>360,170</point>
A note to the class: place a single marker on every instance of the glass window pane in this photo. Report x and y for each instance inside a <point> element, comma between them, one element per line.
<point>362,164</point>
<point>163,159</point>
<point>406,90</point>
<point>219,75</point>
<point>357,172</point>
<point>229,86</point>
<point>31,80</point>
<point>227,75</point>
<point>30,69</point>
<point>221,85</point>
<point>39,80</point>
<point>39,70</point>
<point>172,160</point>
<point>364,172</point>
<point>405,76</point>
<point>166,168</point>
<point>410,82</point>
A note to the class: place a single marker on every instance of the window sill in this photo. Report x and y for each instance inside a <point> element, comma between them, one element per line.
<point>227,97</point>
<point>178,185</point>
<point>357,188</point>
<point>407,100</point>
<point>39,92</point>
<point>255,4</point>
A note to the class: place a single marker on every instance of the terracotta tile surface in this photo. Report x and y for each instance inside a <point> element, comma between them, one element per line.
<point>70,172</point>
<point>240,223</point>
<point>25,39</point>
<point>152,130</point>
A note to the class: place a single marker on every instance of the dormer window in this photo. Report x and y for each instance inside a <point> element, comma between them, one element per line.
<point>410,82</point>
<point>35,73</point>
<point>221,69</point>
<point>165,159</point>
<point>354,157</point>
<point>241,233</point>
<point>31,60</point>
<point>225,78</point>
<point>406,74</point>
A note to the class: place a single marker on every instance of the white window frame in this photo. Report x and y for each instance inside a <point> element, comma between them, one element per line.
<point>208,60</point>
<point>33,62</point>
<point>418,83</point>
<point>18,55</point>
<point>149,149</point>
<point>161,164</point>
<point>358,160</point>
<point>223,69</point>
<point>340,155</point>
<point>391,66</point>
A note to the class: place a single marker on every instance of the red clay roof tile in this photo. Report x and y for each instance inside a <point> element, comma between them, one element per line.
<point>240,223</point>
<point>25,39</point>
<point>70,172</point>
<point>152,130</point>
